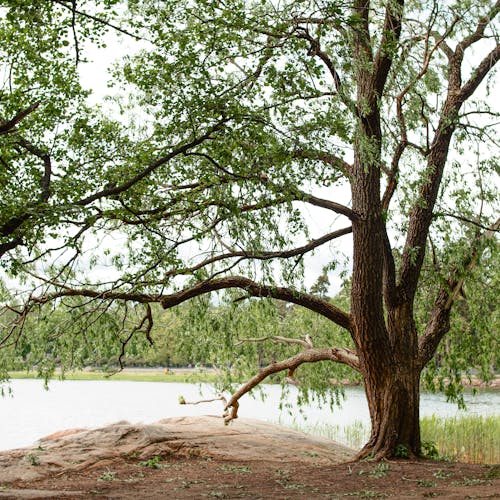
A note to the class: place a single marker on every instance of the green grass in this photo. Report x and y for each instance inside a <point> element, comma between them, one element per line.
<point>139,376</point>
<point>469,439</point>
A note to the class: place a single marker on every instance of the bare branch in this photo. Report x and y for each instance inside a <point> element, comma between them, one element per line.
<point>182,401</point>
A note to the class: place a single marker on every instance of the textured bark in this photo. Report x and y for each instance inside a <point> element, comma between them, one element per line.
<point>393,400</point>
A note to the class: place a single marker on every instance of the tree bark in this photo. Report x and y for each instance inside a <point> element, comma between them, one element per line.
<point>393,401</point>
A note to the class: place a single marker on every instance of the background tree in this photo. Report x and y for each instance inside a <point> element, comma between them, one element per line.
<point>374,112</point>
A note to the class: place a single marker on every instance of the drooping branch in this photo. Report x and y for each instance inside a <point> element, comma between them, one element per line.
<point>311,355</point>
<point>11,226</point>
<point>254,289</point>
<point>439,321</point>
<point>14,223</point>
<point>263,255</point>
<point>69,4</point>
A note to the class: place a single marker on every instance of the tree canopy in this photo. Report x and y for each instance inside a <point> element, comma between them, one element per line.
<point>245,141</point>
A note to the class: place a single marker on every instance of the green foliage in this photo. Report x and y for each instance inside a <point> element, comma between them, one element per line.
<point>401,451</point>
<point>155,462</point>
<point>430,450</point>
<point>471,349</point>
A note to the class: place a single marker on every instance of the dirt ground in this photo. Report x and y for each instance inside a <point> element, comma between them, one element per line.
<point>205,460</point>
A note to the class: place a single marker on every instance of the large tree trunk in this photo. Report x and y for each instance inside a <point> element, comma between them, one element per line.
<point>393,400</point>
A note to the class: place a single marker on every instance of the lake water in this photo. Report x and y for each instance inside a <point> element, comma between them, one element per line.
<point>33,412</point>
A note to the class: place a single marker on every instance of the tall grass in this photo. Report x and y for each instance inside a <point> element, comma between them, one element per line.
<point>469,439</point>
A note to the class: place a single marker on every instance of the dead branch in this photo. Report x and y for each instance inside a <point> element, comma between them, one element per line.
<point>182,401</point>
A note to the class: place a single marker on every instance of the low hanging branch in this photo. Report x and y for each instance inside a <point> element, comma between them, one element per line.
<point>309,355</point>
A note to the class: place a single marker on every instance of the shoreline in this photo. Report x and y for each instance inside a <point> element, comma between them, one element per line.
<point>193,375</point>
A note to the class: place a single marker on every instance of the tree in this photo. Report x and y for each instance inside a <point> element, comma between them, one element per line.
<point>294,104</point>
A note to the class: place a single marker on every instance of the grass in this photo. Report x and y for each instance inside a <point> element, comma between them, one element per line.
<point>132,376</point>
<point>471,439</point>
<point>468,439</point>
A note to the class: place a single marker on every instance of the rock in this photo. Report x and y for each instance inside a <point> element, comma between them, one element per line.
<point>245,439</point>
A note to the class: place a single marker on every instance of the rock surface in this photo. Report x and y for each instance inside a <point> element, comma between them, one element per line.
<point>246,440</point>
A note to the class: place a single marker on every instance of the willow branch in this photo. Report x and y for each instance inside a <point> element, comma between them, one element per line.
<point>306,343</point>
<point>254,289</point>
<point>439,322</point>
<point>313,355</point>
<point>179,150</point>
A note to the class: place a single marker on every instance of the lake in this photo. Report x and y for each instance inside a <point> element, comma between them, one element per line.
<point>33,412</point>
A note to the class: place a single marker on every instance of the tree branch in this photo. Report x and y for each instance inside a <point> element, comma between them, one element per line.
<point>6,127</point>
<point>306,343</point>
<point>439,322</point>
<point>312,355</point>
<point>391,34</point>
<point>112,191</point>
<point>256,290</point>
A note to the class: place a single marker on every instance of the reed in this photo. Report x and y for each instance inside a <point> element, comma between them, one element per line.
<point>469,439</point>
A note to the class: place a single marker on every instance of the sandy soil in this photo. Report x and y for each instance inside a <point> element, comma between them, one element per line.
<point>200,458</point>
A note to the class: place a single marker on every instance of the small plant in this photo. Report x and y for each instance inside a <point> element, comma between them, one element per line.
<point>153,463</point>
<point>32,459</point>
<point>109,475</point>
<point>366,494</point>
<point>401,451</point>
<point>216,494</point>
<point>380,470</point>
<point>429,450</point>
<point>440,474</point>
<point>425,483</point>
<point>470,481</point>
<point>187,484</point>
<point>311,454</point>
<point>235,468</point>
<point>493,472</point>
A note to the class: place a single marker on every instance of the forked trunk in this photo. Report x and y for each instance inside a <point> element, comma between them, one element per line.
<point>393,401</point>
